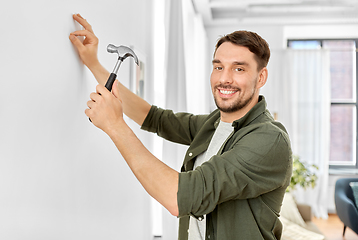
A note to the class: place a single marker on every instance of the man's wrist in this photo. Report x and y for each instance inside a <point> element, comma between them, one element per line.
<point>95,67</point>
<point>117,130</point>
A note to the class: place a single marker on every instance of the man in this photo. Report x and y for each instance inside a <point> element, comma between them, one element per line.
<point>238,165</point>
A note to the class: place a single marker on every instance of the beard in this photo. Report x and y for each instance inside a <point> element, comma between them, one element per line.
<point>236,105</point>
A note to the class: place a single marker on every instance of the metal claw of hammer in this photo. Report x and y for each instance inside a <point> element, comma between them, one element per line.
<point>123,52</point>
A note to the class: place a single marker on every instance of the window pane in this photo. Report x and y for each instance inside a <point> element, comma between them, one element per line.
<point>342,134</point>
<point>304,44</point>
<point>342,57</point>
<point>339,44</point>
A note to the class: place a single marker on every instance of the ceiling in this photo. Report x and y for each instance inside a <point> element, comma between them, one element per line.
<point>225,12</point>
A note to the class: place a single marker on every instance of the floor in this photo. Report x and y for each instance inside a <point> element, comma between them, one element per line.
<point>332,228</point>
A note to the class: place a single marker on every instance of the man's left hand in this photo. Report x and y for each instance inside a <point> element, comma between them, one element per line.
<point>105,108</point>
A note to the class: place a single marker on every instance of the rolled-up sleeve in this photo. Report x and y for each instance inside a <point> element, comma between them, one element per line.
<point>176,127</point>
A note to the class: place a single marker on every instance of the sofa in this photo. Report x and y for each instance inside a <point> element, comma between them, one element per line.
<point>297,221</point>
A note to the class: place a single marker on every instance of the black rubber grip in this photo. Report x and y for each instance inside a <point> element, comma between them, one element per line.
<point>110,81</point>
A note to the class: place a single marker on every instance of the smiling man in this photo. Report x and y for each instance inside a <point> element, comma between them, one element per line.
<point>238,163</point>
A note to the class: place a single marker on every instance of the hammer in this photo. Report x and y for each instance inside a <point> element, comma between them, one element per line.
<point>123,52</point>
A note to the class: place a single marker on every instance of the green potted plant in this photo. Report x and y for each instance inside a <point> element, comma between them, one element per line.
<point>303,174</point>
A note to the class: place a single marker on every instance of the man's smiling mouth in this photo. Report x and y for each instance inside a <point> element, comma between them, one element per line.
<point>227,92</point>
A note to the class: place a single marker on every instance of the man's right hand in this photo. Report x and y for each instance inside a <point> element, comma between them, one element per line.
<point>89,47</point>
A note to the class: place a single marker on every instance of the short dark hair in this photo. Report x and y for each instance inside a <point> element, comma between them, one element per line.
<point>252,41</point>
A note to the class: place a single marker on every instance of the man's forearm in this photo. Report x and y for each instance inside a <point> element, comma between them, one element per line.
<point>158,179</point>
<point>100,73</point>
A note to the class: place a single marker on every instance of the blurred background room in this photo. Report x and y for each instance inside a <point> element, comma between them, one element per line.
<point>62,178</point>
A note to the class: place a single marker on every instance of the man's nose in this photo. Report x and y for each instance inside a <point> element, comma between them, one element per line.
<point>226,76</point>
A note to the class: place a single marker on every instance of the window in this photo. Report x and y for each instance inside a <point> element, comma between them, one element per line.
<point>343,71</point>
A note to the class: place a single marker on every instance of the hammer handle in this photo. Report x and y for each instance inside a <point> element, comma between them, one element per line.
<point>109,83</point>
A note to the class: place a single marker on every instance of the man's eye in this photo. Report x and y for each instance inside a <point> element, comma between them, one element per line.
<point>239,69</point>
<point>218,68</point>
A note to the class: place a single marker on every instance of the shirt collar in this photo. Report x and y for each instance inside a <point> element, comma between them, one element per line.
<point>251,115</point>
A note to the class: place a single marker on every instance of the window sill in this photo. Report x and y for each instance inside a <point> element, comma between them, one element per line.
<point>343,171</point>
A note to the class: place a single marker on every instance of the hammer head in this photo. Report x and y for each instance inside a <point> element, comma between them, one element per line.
<point>123,52</point>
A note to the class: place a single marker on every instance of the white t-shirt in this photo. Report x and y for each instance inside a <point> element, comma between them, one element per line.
<point>222,132</point>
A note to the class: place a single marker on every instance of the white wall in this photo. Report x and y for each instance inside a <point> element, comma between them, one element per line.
<point>321,31</point>
<point>61,177</point>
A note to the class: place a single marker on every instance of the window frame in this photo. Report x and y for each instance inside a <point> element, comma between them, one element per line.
<point>320,40</point>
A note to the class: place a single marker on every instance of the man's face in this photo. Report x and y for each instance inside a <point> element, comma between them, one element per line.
<point>234,77</point>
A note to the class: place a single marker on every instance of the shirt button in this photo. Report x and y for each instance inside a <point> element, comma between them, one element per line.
<point>190,154</point>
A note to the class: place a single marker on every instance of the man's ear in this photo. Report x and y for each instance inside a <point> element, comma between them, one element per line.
<point>263,74</point>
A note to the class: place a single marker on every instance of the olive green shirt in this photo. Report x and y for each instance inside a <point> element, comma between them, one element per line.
<point>242,187</point>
